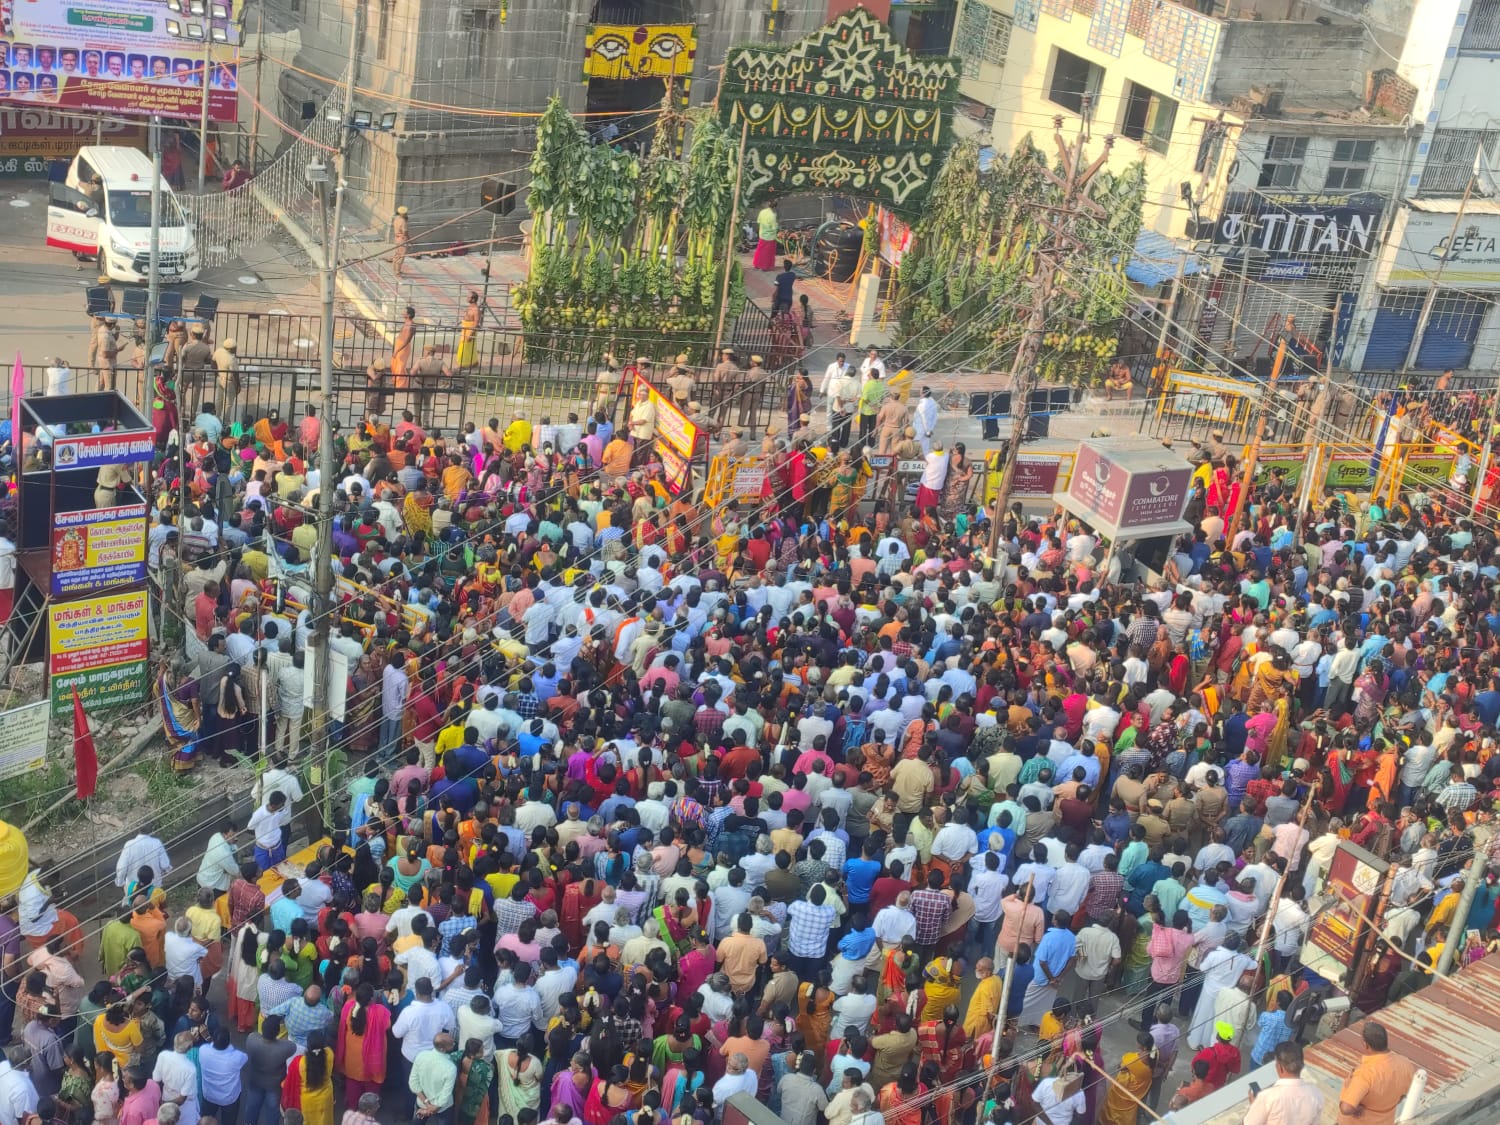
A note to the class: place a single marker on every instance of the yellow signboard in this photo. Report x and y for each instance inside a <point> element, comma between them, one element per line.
<point>645,51</point>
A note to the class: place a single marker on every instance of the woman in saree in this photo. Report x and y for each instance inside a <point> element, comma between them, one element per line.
<point>956,486</point>
<point>1132,1082</point>
<point>177,696</point>
<point>905,1090</point>
<point>520,1073</point>
<point>815,1012</point>
<point>1370,689</point>
<point>308,1085</point>
<point>943,976</point>
<point>677,920</point>
<point>570,1087</point>
<point>847,479</point>
<point>467,331</point>
<point>471,1089</point>
<point>360,1053</point>
<point>798,401</point>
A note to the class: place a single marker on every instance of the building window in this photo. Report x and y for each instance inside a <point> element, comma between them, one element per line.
<point>1349,166</point>
<point>1148,118</point>
<point>383,29</point>
<point>1282,167</point>
<point>1073,80</point>
<point>982,36</point>
<point>1210,149</point>
<point>1482,30</point>
<point>1452,158</point>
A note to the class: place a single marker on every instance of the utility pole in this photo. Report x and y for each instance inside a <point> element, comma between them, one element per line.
<point>1057,240</point>
<point>208,67</point>
<point>323,563</point>
<point>1437,275</point>
<point>1473,876</point>
<point>729,254</point>
<point>1248,477</point>
<point>153,282</point>
<point>260,66</point>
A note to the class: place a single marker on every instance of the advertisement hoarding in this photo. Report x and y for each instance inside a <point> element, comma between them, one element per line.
<point>98,548</point>
<point>1356,884</point>
<point>1428,471</point>
<point>1036,474</point>
<point>1425,243</point>
<point>1349,474</point>
<point>1301,225</point>
<point>23,739</point>
<point>99,646</point>
<point>1291,466</point>
<point>1129,496</point>
<point>30,137</point>
<point>115,58</point>
<point>673,427</point>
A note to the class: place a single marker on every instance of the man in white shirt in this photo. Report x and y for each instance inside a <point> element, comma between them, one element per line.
<point>1058,1105</point>
<point>924,419</point>
<point>178,1077</point>
<point>18,1096</point>
<point>141,851</point>
<point>266,824</point>
<point>871,367</point>
<point>220,865</point>
<point>832,374</point>
<point>182,952</point>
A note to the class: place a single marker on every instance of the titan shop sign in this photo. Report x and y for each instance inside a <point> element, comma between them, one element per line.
<point>1287,225</point>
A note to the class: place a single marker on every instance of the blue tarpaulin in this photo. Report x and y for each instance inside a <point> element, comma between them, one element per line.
<point>1155,260</point>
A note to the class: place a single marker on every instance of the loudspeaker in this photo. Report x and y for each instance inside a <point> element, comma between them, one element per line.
<point>98,299</point>
<point>497,197</point>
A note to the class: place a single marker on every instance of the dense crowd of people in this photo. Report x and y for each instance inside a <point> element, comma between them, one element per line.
<point>641,804</point>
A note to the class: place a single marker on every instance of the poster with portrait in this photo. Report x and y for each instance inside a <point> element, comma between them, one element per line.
<point>112,57</point>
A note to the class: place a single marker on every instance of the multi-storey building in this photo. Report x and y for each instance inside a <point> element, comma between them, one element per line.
<point>467,79</point>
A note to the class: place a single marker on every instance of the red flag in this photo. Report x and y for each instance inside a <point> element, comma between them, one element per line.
<point>85,759</point>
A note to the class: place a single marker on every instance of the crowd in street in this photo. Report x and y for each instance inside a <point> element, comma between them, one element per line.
<point>641,804</point>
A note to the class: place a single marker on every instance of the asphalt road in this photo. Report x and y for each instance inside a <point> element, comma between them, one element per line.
<point>42,288</point>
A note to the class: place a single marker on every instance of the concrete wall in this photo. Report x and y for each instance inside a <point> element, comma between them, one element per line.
<point>1469,100</point>
<point>1312,62</point>
<point>1022,107</point>
<point>434,163</point>
<point>1383,176</point>
<point>1424,53</point>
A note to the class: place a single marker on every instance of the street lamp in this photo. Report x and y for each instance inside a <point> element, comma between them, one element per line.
<point>211,26</point>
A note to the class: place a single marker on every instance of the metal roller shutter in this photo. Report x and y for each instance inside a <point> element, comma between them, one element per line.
<point>1451,331</point>
<point>1390,336</point>
<point>1267,306</point>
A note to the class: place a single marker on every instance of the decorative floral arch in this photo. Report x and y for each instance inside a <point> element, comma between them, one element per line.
<point>846,108</point>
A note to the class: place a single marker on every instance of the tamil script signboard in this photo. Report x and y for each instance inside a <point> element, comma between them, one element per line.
<point>676,435</point>
<point>23,739</point>
<point>114,447</point>
<point>98,548</point>
<point>111,58</point>
<point>30,137</point>
<point>99,646</point>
